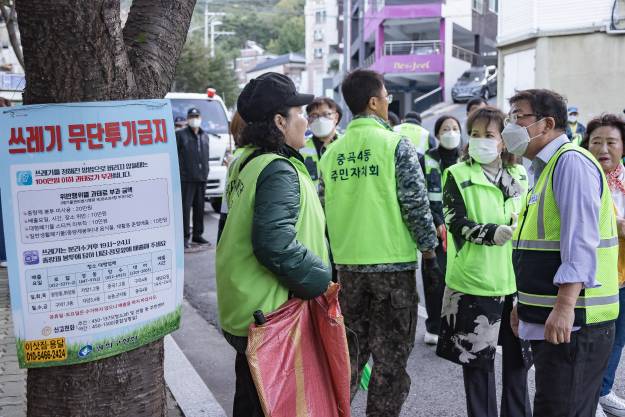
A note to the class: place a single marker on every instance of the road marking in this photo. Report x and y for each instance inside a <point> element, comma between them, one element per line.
<point>192,395</point>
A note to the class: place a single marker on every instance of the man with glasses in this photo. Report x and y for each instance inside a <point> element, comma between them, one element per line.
<point>565,258</point>
<point>378,216</point>
<point>324,115</point>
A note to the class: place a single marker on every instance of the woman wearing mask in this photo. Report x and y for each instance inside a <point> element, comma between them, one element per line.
<point>434,163</point>
<point>604,139</point>
<point>273,244</point>
<point>482,197</point>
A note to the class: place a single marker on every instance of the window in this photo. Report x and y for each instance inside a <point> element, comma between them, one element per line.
<point>478,6</point>
<point>318,35</point>
<point>320,17</point>
<point>493,6</point>
<point>318,53</point>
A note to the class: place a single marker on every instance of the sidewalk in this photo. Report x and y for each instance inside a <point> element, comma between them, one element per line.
<point>12,378</point>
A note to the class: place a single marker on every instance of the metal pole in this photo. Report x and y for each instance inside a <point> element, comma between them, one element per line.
<point>347,17</point>
<point>213,39</point>
<point>206,24</point>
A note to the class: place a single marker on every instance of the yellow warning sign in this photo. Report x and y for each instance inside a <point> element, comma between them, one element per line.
<point>46,350</point>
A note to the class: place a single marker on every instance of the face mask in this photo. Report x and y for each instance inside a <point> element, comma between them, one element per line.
<point>450,140</point>
<point>322,127</point>
<point>483,150</point>
<point>517,138</point>
<point>195,122</point>
<point>572,119</point>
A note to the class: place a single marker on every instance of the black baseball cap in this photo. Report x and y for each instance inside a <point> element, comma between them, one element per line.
<point>266,94</point>
<point>193,112</point>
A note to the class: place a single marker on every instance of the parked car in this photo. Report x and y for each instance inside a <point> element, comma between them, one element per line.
<point>215,124</point>
<point>474,82</point>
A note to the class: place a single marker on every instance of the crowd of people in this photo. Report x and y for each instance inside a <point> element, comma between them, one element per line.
<point>531,260</point>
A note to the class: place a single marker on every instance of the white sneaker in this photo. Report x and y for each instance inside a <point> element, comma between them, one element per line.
<point>3,264</point>
<point>430,338</point>
<point>600,412</point>
<point>613,404</point>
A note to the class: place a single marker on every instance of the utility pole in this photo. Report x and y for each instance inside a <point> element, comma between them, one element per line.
<point>211,21</point>
<point>347,17</point>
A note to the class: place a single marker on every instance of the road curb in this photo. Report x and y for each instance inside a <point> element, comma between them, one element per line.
<point>192,395</point>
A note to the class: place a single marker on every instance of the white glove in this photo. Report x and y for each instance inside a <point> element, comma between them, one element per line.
<point>515,220</point>
<point>502,235</point>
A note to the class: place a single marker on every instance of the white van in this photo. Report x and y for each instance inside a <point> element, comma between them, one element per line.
<point>215,124</point>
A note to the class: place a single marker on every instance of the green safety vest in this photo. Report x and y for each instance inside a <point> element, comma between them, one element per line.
<point>540,231</point>
<point>365,225</point>
<point>576,138</point>
<point>418,135</point>
<point>311,159</point>
<point>479,269</point>
<point>243,284</point>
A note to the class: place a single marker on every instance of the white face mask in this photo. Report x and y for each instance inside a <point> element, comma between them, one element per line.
<point>450,140</point>
<point>572,119</point>
<point>195,122</point>
<point>517,138</point>
<point>322,127</point>
<point>483,150</point>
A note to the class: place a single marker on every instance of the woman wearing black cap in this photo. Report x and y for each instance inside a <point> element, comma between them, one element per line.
<point>273,243</point>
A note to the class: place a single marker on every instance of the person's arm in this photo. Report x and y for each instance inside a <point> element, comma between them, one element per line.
<point>577,190</point>
<point>413,198</point>
<point>460,226</point>
<point>276,210</point>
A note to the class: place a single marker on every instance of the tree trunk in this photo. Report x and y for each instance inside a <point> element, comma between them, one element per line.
<point>77,51</point>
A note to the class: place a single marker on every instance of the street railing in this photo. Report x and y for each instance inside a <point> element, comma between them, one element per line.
<point>463,54</point>
<point>432,47</point>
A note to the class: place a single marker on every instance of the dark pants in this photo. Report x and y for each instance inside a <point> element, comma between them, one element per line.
<point>380,311</point>
<point>246,401</point>
<point>433,292</point>
<point>193,197</point>
<point>3,252</point>
<point>569,375</point>
<point>617,349</point>
<point>480,386</point>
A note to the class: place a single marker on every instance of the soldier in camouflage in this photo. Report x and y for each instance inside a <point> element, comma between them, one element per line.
<point>378,297</point>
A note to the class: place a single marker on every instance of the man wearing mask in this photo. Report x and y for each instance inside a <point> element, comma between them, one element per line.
<point>421,138</point>
<point>378,217</point>
<point>193,158</point>
<point>574,129</point>
<point>565,258</point>
<point>324,115</point>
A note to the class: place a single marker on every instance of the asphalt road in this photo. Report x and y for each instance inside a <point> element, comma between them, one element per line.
<point>437,385</point>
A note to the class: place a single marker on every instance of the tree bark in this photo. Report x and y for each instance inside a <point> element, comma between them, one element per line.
<point>10,18</point>
<point>77,51</point>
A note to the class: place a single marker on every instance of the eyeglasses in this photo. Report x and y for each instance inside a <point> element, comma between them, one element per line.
<point>312,117</point>
<point>389,98</point>
<point>512,118</point>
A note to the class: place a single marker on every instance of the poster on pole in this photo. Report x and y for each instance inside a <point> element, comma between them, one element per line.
<point>93,224</point>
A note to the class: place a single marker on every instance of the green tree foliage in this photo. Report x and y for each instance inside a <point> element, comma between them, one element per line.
<point>197,71</point>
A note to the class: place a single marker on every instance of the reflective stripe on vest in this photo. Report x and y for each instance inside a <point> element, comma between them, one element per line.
<point>550,300</point>
<point>432,165</point>
<point>555,246</point>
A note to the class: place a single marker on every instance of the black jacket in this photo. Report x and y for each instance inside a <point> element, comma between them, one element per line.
<point>193,159</point>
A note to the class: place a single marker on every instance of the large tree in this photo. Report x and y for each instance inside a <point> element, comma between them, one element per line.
<point>78,51</point>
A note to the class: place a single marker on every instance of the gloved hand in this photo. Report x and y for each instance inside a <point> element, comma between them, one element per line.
<point>433,271</point>
<point>514,220</point>
<point>503,234</point>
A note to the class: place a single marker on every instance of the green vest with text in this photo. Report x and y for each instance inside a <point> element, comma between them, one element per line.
<point>418,135</point>
<point>243,284</point>
<point>479,269</point>
<point>540,231</point>
<point>364,219</point>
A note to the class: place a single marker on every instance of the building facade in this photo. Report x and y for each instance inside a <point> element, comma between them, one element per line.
<point>575,47</point>
<point>421,46</point>
<point>292,65</point>
<point>249,57</point>
<point>324,47</point>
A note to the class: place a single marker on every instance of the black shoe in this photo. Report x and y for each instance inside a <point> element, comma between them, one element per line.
<point>200,240</point>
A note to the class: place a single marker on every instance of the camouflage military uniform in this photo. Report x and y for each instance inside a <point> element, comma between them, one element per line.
<point>379,302</point>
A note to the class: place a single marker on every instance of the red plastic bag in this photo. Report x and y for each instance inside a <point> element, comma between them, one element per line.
<point>299,359</point>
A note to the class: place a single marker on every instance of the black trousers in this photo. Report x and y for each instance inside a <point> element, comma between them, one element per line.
<point>433,292</point>
<point>479,384</point>
<point>569,375</point>
<point>246,401</point>
<point>193,197</point>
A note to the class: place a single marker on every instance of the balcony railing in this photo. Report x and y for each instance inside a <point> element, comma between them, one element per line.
<point>412,48</point>
<point>463,54</point>
<point>369,60</point>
